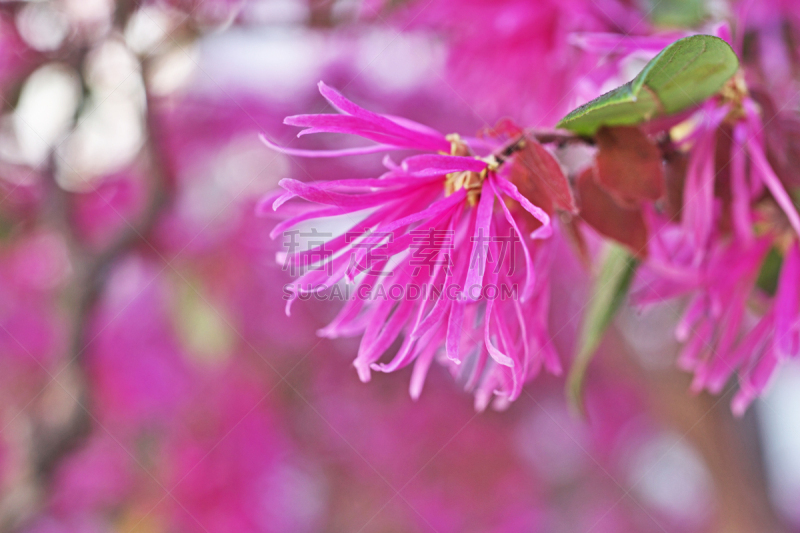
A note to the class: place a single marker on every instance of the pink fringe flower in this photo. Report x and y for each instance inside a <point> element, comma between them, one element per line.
<point>734,210</point>
<point>445,224</point>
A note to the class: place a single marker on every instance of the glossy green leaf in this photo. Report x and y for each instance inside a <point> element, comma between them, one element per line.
<point>681,76</point>
<point>609,292</point>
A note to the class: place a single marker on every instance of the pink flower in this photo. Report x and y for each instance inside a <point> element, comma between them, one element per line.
<point>750,173</point>
<point>722,336</point>
<point>734,209</point>
<point>430,224</point>
<point>514,57</point>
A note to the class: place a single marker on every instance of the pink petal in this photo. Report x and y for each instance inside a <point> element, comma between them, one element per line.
<point>480,239</point>
<point>328,153</point>
<point>530,275</point>
<point>546,229</point>
<point>764,170</point>
<point>438,165</point>
<point>741,196</point>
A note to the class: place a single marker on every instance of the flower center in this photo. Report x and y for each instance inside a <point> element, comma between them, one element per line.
<point>471,181</point>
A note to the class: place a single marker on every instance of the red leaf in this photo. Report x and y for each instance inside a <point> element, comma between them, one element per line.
<point>539,177</point>
<point>629,165</point>
<point>600,211</point>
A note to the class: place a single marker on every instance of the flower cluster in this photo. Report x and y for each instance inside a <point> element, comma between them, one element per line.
<point>734,221</point>
<point>696,197</point>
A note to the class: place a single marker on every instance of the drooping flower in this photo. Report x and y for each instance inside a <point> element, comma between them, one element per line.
<point>431,248</point>
<point>719,290</point>
<point>738,320</point>
<point>725,213</point>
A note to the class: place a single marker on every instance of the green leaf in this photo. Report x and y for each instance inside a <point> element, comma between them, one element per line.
<point>681,76</point>
<point>770,270</point>
<point>608,294</point>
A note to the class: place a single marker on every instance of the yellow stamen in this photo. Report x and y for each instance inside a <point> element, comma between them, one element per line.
<point>471,181</point>
<point>457,145</point>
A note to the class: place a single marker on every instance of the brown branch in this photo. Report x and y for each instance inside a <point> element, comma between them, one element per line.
<point>560,137</point>
<point>51,445</point>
